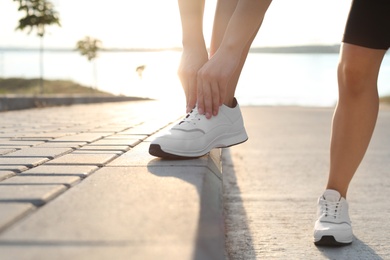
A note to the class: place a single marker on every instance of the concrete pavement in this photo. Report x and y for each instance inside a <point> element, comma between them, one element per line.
<point>77,182</point>
<point>272,182</point>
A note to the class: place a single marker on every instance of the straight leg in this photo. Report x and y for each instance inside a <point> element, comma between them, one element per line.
<point>356,113</point>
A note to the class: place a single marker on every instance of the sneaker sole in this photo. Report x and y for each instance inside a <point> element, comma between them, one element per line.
<point>155,150</point>
<point>330,241</point>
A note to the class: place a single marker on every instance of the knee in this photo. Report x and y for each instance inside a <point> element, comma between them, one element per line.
<point>354,80</point>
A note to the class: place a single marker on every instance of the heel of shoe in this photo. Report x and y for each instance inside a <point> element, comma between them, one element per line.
<point>233,139</point>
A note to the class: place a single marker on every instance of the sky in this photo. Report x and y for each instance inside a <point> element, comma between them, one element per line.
<point>156,23</point>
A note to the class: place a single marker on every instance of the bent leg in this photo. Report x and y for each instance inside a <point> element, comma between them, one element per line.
<point>356,112</point>
<point>223,13</point>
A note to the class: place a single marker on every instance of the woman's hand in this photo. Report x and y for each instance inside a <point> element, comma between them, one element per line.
<point>192,60</point>
<point>213,79</point>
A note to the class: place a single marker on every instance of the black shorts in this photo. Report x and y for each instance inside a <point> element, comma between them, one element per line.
<point>368,24</point>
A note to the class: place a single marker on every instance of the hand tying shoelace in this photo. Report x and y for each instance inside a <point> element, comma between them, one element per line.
<point>191,117</point>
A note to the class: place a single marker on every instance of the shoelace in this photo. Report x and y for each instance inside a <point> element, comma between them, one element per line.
<point>191,117</point>
<point>331,209</point>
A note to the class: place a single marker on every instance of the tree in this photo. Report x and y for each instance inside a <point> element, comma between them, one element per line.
<point>38,14</point>
<point>89,47</point>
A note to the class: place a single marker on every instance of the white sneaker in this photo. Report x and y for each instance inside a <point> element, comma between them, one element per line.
<point>333,226</point>
<point>196,135</point>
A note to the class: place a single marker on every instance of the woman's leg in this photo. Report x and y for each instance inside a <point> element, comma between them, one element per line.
<point>356,113</point>
<point>223,13</point>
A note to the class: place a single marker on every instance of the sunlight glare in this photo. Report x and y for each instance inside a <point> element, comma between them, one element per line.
<point>128,24</point>
<point>159,79</point>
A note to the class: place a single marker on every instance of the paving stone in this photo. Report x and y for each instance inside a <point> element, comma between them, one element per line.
<point>14,168</point>
<point>97,152</point>
<point>6,174</point>
<point>13,147</point>
<point>26,161</point>
<point>39,179</point>
<point>82,137</point>
<point>50,144</point>
<point>19,143</point>
<point>47,135</point>
<point>58,170</point>
<point>35,194</point>
<point>42,139</point>
<point>39,152</point>
<point>126,136</point>
<point>91,147</point>
<point>114,142</point>
<point>8,135</point>
<point>83,159</point>
<point>5,151</point>
<point>111,129</point>
<point>63,131</point>
<point>12,212</point>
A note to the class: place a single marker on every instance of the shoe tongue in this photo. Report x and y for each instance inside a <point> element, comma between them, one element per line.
<point>332,195</point>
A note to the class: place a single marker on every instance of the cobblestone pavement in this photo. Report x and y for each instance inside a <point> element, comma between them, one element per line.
<point>45,152</point>
<point>273,180</point>
<point>77,182</point>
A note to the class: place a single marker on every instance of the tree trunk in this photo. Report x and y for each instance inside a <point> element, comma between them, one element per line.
<point>41,87</point>
<point>94,74</point>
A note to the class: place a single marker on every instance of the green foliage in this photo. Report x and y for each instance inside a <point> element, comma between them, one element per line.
<point>89,47</point>
<point>38,14</point>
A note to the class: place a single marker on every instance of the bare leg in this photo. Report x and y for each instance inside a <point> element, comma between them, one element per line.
<point>356,113</point>
<point>223,13</point>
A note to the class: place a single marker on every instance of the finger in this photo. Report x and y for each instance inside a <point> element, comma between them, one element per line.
<point>222,94</point>
<point>192,95</point>
<point>215,95</point>
<point>207,99</point>
<point>200,99</point>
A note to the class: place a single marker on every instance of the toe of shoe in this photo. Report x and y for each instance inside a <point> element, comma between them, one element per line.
<point>341,233</point>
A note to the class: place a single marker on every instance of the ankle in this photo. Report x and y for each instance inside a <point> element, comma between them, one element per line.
<point>343,193</point>
<point>230,102</point>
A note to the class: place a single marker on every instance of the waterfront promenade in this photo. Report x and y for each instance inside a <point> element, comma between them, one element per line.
<point>77,182</point>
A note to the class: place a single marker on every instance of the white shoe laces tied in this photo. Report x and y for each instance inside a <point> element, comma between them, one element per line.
<point>192,117</point>
<point>331,209</point>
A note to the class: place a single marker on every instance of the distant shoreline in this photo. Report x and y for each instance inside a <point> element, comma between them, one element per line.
<point>298,49</point>
<point>278,49</point>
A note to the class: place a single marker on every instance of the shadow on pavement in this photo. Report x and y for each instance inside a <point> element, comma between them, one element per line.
<point>210,236</point>
<point>235,215</point>
<point>357,250</point>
